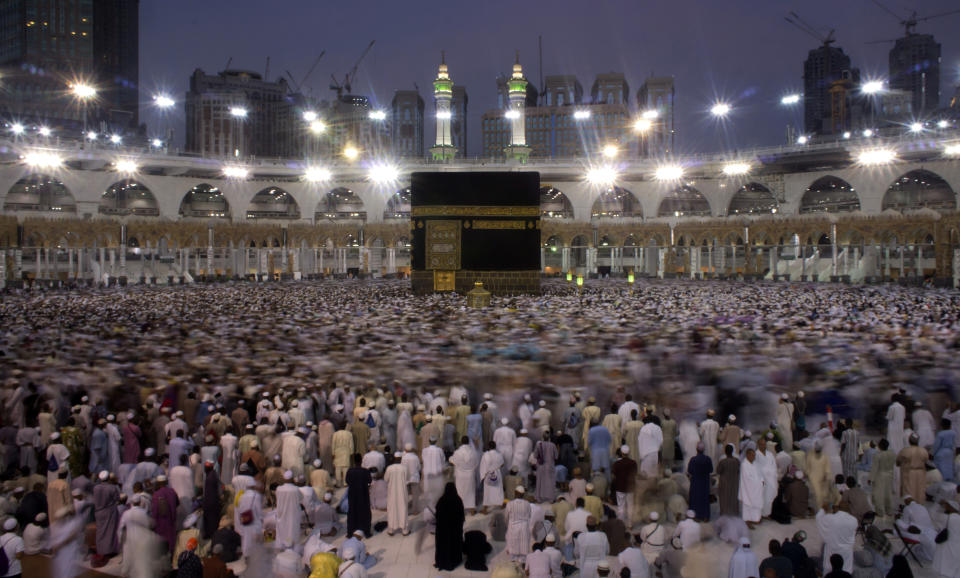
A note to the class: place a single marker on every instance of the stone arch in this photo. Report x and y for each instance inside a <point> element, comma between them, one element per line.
<point>829,194</point>
<point>753,199</point>
<point>128,197</point>
<point>920,189</point>
<point>205,201</point>
<point>273,203</point>
<point>684,201</point>
<point>555,204</point>
<point>40,192</point>
<point>398,206</point>
<point>341,204</point>
<point>616,202</point>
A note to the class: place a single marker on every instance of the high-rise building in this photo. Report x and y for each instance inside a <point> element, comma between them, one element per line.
<point>562,90</point>
<point>116,58</point>
<point>915,67</point>
<point>656,101</point>
<point>407,130</point>
<point>610,88</point>
<point>45,46</point>
<point>567,130</point>
<point>826,75</point>
<point>238,113</point>
<point>458,123</point>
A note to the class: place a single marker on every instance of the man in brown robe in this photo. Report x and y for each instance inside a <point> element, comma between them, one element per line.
<point>912,461</point>
<point>728,474</point>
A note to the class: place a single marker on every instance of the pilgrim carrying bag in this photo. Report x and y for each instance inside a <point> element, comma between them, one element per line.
<point>246,517</point>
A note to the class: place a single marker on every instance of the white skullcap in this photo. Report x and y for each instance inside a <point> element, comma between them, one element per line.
<point>398,454</point>
<point>488,396</point>
<point>327,497</point>
<point>288,475</point>
<point>551,538</point>
<point>317,463</point>
<point>784,396</point>
<point>542,403</point>
<point>111,418</point>
<point>42,517</point>
<point>798,475</point>
<point>744,541</point>
<point>104,475</point>
<point>504,420</point>
<point>78,493</point>
<point>526,396</point>
<point>590,487</point>
<point>523,431</point>
<point>161,478</point>
<point>180,413</point>
<point>408,447</point>
<point>603,564</point>
<point>624,449</point>
<point>654,516</point>
<point>130,415</point>
<point>85,399</point>
<point>55,435</point>
<point>191,520</point>
<point>149,452</point>
<point>731,417</point>
<point>359,534</point>
<point>520,490</point>
<point>691,514</point>
<point>9,524</point>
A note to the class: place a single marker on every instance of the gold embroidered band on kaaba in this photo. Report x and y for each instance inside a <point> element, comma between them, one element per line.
<point>475,211</point>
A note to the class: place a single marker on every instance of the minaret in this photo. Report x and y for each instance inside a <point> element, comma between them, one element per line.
<point>442,95</point>
<point>516,112</point>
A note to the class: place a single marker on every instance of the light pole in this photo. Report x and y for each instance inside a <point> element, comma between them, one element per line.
<point>239,114</point>
<point>84,93</point>
<point>791,101</point>
<point>164,103</point>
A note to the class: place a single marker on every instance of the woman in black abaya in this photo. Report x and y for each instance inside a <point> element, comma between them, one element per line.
<point>449,535</point>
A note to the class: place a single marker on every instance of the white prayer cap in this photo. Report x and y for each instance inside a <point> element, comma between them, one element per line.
<point>590,487</point>
<point>10,524</point>
<point>85,399</point>
<point>731,417</point>
<point>691,514</point>
<point>624,449</point>
<point>180,412</point>
<point>526,397</point>
<point>317,463</point>
<point>429,418</point>
<point>551,538</point>
<point>149,452</point>
<point>800,394</point>
<point>542,403</point>
<point>398,454</point>
<point>191,520</point>
<point>40,517</point>
<point>288,475</point>
<point>654,516</point>
<point>266,394</point>
<point>78,493</point>
<point>504,420</point>
<point>210,408</point>
<point>603,564</point>
<point>917,404</point>
<point>104,475</point>
<point>55,435</point>
<point>161,478</point>
<point>111,418</point>
<point>798,474</point>
<point>745,541</point>
<point>523,432</point>
<point>130,415</point>
<point>359,534</point>
<point>310,424</point>
<point>784,396</point>
<point>520,489</point>
<point>408,447</point>
<point>770,436</point>
<point>327,497</point>
<point>488,396</point>
<point>254,443</point>
<point>907,497</point>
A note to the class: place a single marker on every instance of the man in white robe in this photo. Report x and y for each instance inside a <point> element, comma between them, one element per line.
<point>505,438</point>
<point>522,449</point>
<point>923,425</point>
<point>293,449</point>
<point>709,428</point>
<point>947,558</point>
<point>397,478</point>
<point>688,531</point>
<point>914,514</point>
<point>289,514</point>
<point>519,528</point>
<point>896,413</point>
<point>590,548</point>
<point>743,562</point>
<point>751,489</point>
<point>491,477</point>
<point>649,441</point>
<point>767,464</point>
<point>114,438</point>
<point>465,462</point>
<point>412,463</point>
<point>838,531</point>
<point>433,464</point>
<point>785,422</point>
<point>249,509</point>
<point>228,449</point>
<point>654,538</point>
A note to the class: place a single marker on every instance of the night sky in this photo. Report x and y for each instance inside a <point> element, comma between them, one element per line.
<point>741,51</point>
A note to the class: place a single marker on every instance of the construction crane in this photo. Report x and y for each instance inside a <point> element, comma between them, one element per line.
<point>800,23</point>
<point>297,86</point>
<point>340,87</point>
<point>910,23</point>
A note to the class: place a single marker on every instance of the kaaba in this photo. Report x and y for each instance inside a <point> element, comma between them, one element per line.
<point>475,226</point>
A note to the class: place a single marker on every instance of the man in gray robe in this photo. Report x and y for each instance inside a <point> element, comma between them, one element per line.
<point>106,497</point>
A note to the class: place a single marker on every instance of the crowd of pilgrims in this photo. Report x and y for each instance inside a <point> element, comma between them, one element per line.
<point>265,429</point>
